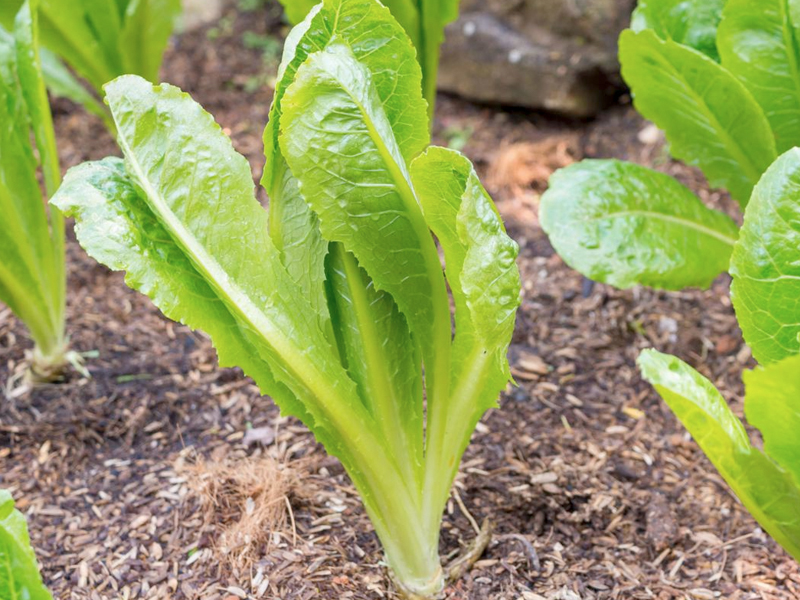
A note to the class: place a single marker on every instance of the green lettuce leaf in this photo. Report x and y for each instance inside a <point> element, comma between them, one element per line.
<point>293,226</point>
<point>424,22</point>
<point>181,218</point>
<point>406,13</point>
<point>357,182</point>
<point>105,22</point>
<point>67,32</point>
<point>26,34</point>
<point>102,39</point>
<point>484,280</point>
<point>764,266</point>
<point>380,356</point>
<point>626,225</point>
<point>32,85</point>
<point>61,83</point>
<point>25,240</point>
<point>711,120</point>
<point>379,44</point>
<point>769,492</point>
<point>760,44</point>
<point>435,16</point>
<point>161,226</point>
<point>32,280</point>
<point>19,572</point>
<point>145,32</point>
<point>297,10</point>
<point>773,406</point>
<point>692,23</point>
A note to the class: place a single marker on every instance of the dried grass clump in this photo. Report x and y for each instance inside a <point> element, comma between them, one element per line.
<point>522,166</point>
<point>244,500</point>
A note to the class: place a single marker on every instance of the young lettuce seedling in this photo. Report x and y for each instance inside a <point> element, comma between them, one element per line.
<point>722,80</point>
<point>99,40</point>
<point>32,271</point>
<point>19,572</point>
<point>335,302</point>
<point>766,288</point>
<point>424,22</point>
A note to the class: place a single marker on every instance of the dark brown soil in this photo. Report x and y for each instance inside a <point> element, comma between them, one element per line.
<point>596,490</point>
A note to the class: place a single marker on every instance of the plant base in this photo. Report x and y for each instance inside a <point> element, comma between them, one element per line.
<point>431,591</point>
<point>50,368</point>
<point>454,571</point>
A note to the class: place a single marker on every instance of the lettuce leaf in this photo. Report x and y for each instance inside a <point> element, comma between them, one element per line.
<point>764,266</point>
<point>100,39</point>
<point>19,571</point>
<point>766,488</point>
<point>760,45</point>
<point>627,225</point>
<point>32,272</point>
<point>424,22</point>
<point>710,118</point>
<point>349,348</point>
<point>692,23</point>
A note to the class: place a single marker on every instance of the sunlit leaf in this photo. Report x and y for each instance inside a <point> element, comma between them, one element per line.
<point>710,119</point>
<point>626,225</point>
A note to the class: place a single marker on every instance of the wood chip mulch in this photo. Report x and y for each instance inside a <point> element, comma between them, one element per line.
<point>596,490</point>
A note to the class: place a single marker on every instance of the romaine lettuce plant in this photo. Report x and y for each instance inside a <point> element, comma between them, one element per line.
<point>19,572</point>
<point>32,273</point>
<point>724,85</point>
<point>424,22</point>
<point>766,294</point>
<point>335,301</point>
<point>100,40</point>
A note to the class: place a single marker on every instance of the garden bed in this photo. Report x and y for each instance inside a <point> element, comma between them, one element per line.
<point>595,489</point>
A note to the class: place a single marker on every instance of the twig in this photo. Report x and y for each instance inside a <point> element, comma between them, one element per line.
<point>291,517</point>
<point>464,510</point>
<point>530,551</point>
<point>464,563</point>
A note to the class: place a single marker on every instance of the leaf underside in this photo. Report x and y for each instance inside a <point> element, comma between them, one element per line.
<point>760,44</point>
<point>770,493</point>
<point>711,120</point>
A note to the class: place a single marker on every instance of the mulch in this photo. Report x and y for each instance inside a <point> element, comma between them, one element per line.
<point>596,490</point>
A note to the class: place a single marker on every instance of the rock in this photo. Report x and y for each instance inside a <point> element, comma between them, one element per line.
<point>558,55</point>
<point>197,13</point>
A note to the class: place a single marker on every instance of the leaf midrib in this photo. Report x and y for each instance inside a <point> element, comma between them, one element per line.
<point>666,218</point>
<point>414,211</point>
<point>377,371</point>
<point>236,297</point>
<point>357,428</point>
<point>752,170</point>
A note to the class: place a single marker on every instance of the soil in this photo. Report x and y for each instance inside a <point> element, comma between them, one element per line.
<point>595,489</point>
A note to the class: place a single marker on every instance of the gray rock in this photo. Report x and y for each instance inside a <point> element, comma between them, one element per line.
<point>558,55</point>
<point>198,13</point>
